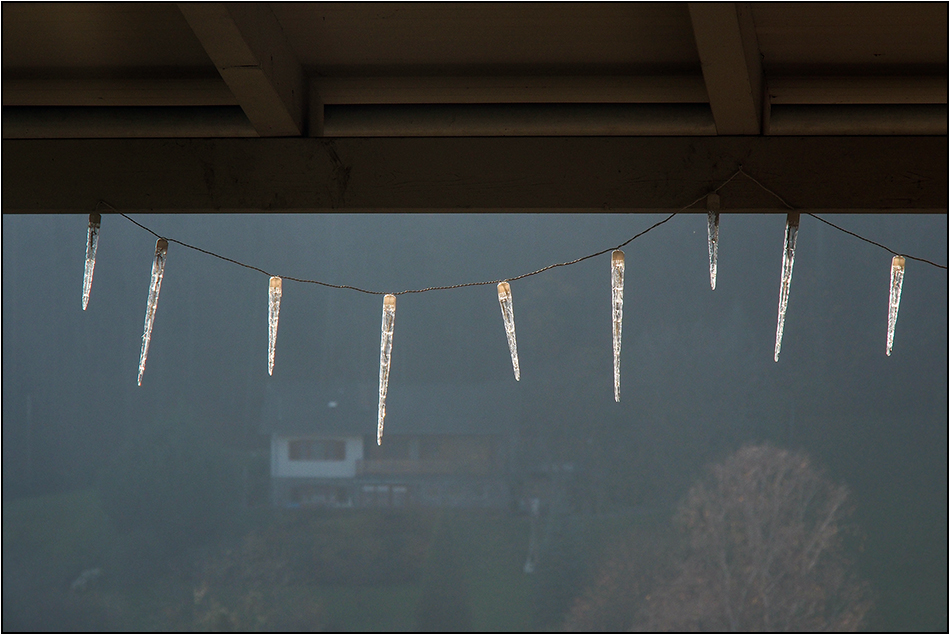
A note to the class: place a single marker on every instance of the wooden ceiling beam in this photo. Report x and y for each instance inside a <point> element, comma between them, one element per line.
<point>647,174</point>
<point>857,119</point>
<point>732,65</point>
<point>177,91</point>
<point>247,45</point>
<point>553,89</point>
<point>870,89</point>
<point>640,89</point>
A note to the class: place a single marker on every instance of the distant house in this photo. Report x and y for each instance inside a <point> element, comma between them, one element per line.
<point>444,445</point>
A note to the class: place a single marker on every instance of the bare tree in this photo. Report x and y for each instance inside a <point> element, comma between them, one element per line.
<point>763,552</point>
<point>628,570</point>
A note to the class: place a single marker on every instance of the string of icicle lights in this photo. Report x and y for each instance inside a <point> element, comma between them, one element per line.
<point>712,205</point>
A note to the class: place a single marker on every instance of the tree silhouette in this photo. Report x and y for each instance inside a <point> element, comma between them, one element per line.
<point>763,552</point>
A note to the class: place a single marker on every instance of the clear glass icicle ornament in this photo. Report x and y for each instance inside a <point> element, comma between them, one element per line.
<point>897,280</point>
<point>273,314</point>
<point>158,272</point>
<point>508,314</point>
<point>712,222</point>
<point>788,261</point>
<point>616,292</point>
<point>385,357</point>
<point>92,243</point>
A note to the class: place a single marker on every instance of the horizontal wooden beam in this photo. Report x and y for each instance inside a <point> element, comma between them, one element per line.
<point>659,89</point>
<point>166,91</point>
<point>901,89</point>
<point>857,119</point>
<point>120,122</point>
<point>469,120</point>
<point>844,174</point>
<point>516,120</point>
<point>588,89</point>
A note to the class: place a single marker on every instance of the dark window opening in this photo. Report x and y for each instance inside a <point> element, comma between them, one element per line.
<point>317,450</point>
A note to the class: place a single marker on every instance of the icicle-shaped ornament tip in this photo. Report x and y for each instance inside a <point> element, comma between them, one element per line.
<point>788,261</point>
<point>385,357</point>
<point>897,279</point>
<point>92,243</point>
<point>158,272</point>
<point>508,314</point>
<point>712,222</point>
<point>616,292</point>
<point>273,314</point>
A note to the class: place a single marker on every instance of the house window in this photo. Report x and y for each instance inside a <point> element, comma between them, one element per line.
<point>316,450</point>
<point>385,495</point>
<point>319,496</point>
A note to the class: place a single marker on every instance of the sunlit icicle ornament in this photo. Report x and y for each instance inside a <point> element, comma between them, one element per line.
<point>788,261</point>
<point>712,221</point>
<point>385,357</point>
<point>273,314</point>
<point>508,314</point>
<point>92,243</point>
<point>897,279</point>
<point>158,272</point>
<point>616,291</point>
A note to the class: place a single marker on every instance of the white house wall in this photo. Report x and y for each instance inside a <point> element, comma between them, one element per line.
<point>282,466</point>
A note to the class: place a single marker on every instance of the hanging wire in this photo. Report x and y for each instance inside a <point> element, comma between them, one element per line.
<point>568,263</point>
<point>841,229</point>
<point>423,290</point>
<point>867,240</point>
<point>769,190</point>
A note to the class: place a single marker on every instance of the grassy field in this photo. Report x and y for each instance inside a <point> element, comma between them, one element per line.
<point>48,541</point>
<point>492,560</point>
<point>57,536</point>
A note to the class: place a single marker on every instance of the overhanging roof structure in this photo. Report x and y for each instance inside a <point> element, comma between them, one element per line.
<point>473,106</point>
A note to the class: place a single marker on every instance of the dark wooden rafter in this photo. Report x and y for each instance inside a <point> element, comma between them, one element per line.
<point>165,91</point>
<point>732,65</point>
<point>645,174</point>
<point>210,70</point>
<point>247,45</point>
<point>885,89</point>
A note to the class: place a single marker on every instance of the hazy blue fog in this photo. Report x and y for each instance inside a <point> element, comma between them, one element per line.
<point>698,376</point>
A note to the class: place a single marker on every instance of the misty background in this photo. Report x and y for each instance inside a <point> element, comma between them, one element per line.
<point>698,379</point>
